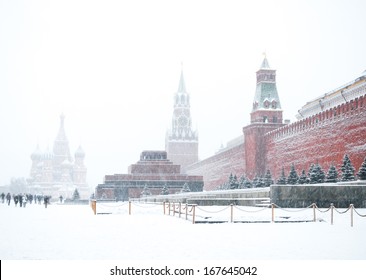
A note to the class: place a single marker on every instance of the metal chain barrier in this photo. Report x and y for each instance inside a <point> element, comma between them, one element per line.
<point>212,212</point>
<point>322,211</point>
<point>293,210</point>
<point>363,216</point>
<point>190,209</point>
<point>342,212</point>
<point>251,211</point>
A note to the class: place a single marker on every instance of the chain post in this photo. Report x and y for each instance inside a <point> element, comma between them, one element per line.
<point>169,207</point>
<point>129,208</point>
<point>173,208</point>
<point>314,214</point>
<point>94,206</point>
<point>331,213</point>
<point>164,207</point>
<point>180,208</point>
<point>186,211</point>
<point>272,205</point>
<point>351,206</point>
<point>231,212</point>
<point>194,214</point>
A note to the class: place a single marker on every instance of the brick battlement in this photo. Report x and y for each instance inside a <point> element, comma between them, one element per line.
<point>352,108</point>
<point>323,138</point>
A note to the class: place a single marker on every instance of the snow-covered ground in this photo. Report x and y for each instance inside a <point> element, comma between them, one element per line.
<point>73,232</point>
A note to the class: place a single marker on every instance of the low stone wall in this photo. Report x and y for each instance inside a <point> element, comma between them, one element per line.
<point>243,197</point>
<point>340,194</point>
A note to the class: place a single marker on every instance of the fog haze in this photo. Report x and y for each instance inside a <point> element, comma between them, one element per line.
<point>112,68</point>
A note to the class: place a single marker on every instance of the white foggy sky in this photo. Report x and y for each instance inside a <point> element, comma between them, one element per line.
<point>112,67</point>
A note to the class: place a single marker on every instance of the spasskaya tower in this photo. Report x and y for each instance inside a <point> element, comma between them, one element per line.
<point>181,143</point>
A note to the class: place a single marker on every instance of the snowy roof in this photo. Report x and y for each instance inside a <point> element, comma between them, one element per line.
<point>266,91</point>
<point>80,152</point>
<point>333,98</point>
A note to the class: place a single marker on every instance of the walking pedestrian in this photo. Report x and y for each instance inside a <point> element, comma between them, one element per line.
<point>25,200</point>
<point>8,198</point>
<point>15,197</point>
<point>46,200</point>
<point>20,198</point>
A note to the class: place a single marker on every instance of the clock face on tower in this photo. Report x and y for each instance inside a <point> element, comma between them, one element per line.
<point>182,121</point>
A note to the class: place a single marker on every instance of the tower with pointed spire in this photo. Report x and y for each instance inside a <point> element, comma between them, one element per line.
<point>266,116</point>
<point>181,142</point>
<point>61,150</point>
<point>266,104</point>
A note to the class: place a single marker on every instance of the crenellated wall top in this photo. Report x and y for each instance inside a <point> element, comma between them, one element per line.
<point>352,107</point>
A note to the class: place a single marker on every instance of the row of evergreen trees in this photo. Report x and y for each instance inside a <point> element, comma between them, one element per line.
<point>244,183</point>
<point>315,175</point>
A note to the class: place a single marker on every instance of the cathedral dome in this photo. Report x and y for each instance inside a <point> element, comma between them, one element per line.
<point>79,153</point>
<point>37,154</point>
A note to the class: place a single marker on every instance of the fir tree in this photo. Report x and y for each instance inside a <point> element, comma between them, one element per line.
<point>258,182</point>
<point>282,179</point>
<point>241,182</point>
<point>224,186</point>
<point>146,191</point>
<point>316,174</point>
<point>76,195</point>
<point>244,182</point>
<point>292,177</point>
<point>332,175</point>
<point>303,179</point>
<point>165,190</point>
<point>185,188</point>
<point>362,171</point>
<point>233,182</point>
<point>321,173</point>
<point>268,179</point>
<point>312,175</point>
<point>348,171</point>
<point>255,181</point>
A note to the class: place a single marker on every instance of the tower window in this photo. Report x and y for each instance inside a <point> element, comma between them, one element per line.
<point>274,104</point>
<point>266,104</point>
<point>265,119</point>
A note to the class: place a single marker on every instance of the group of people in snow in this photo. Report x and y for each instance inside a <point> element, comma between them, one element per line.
<point>23,199</point>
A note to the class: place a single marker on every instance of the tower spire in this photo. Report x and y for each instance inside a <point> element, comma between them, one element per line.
<point>61,136</point>
<point>265,64</point>
<point>182,85</point>
<point>181,141</point>
<point>61,145</point>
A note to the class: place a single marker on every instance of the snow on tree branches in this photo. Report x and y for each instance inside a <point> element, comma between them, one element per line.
<point>348,171</point>
<point>362,171</point>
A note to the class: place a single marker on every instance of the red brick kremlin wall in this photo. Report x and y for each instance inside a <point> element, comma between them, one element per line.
<point>323,138</point>
<point>216,169</point>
